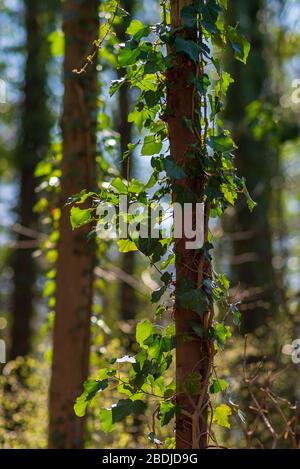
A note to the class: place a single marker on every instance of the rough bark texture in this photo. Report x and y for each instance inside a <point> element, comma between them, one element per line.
<point>252,267</point>
<point>75,264</point>
<point>195,355</point>
<point>34,141</point>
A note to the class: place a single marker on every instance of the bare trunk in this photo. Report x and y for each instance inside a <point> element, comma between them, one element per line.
<point>32,148</point>
<point>74,293</point>
<point>127,293</point>
<point>194,355</point>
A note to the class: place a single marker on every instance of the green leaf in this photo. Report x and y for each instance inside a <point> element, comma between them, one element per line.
<point>172,169</point>
<point>197,328</point>
<point>189,16</point>
<point>143,331</point>
<point>218,385</point>
<point>80,217</point>
<point>221,333</point>
<point>193,384</point>
<point>188,47</point>
<point>57,43</point>
<point>221,414</point>
<point>250,202</point>
<point>138,29</point>
<point>127,407</point>
<point>166,412</point>
<point>239,44</point>
<point>192,298</point>
<point>126,245</point>
<point>236,315</point>
<point>221,143</point>
<point>151,146</point>
<point>118,184</point>
<point>157,294</point>
<point>91,388</point>
<point>106,420</point>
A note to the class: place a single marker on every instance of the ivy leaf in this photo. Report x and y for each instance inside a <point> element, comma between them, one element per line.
<point>193,383</point>
<point>221,333</point>
<point>118,184</point>
<point>106,420</point>
<point>126,407</point>
<point>138,29</point>
<point>167,411</point>
<point>143,331</point>
<point>126,245</point>
<point>188,47</point>
<point>197,328</point>
<point>80,217</point>
<point>189,16</point>
<point>151,146</point>
<point>192,298</point>
<point>239,44</point>
<point>91,388</point>
<point>157,294</point>
<point>218,385</point>
<point>250,202</point>
<point>172,169</point>
<point>221,414</point>
<point>221,143</point>
<point>236,315</point>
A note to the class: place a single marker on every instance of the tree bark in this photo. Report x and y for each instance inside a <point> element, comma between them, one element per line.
<point>34,143</point>
<point>75,265</point>
<point>127,293</point>
<point>193,355</point>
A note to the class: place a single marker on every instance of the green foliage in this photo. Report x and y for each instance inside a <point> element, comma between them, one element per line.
<point>148,55</point>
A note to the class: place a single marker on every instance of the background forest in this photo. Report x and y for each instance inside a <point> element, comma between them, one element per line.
<point>83,117</point>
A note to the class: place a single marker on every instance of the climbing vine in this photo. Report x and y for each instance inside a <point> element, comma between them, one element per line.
<point>149,56</point>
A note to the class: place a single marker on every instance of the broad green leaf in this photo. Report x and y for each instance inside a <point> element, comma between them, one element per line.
<point>221,415</point>
<point>172,169</point>
<point>91,388</point>
<point>138,29</point>
<point>218,385</point>
<point>239,44</point>
<point>106,420</point>
<point>143,331</point>
<point>80,216</point>
<point>221,143</point>
<point>188,47</point>
<point>151,146</point>
<point>189,16</point>
<point>126,245</point>
<point>118,184</point>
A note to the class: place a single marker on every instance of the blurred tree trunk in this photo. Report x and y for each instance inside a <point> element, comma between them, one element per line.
<point>252,234</point>
<point>194,355</point>
<point>75,265</point>
<point>35,126</point>
<point>127,293</point>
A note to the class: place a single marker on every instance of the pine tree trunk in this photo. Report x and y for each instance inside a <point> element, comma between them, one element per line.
<point>75,266</point>
<point>34,142</point>
<point>193,355</point>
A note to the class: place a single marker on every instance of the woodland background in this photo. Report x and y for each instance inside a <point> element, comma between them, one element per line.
<point>259,251</point>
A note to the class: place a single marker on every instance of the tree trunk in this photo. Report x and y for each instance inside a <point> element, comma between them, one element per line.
<point>34,142</point>
<point>252,244</point>
<point>127,293</point>
<point>75,265</point>
<point>193,355</point>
